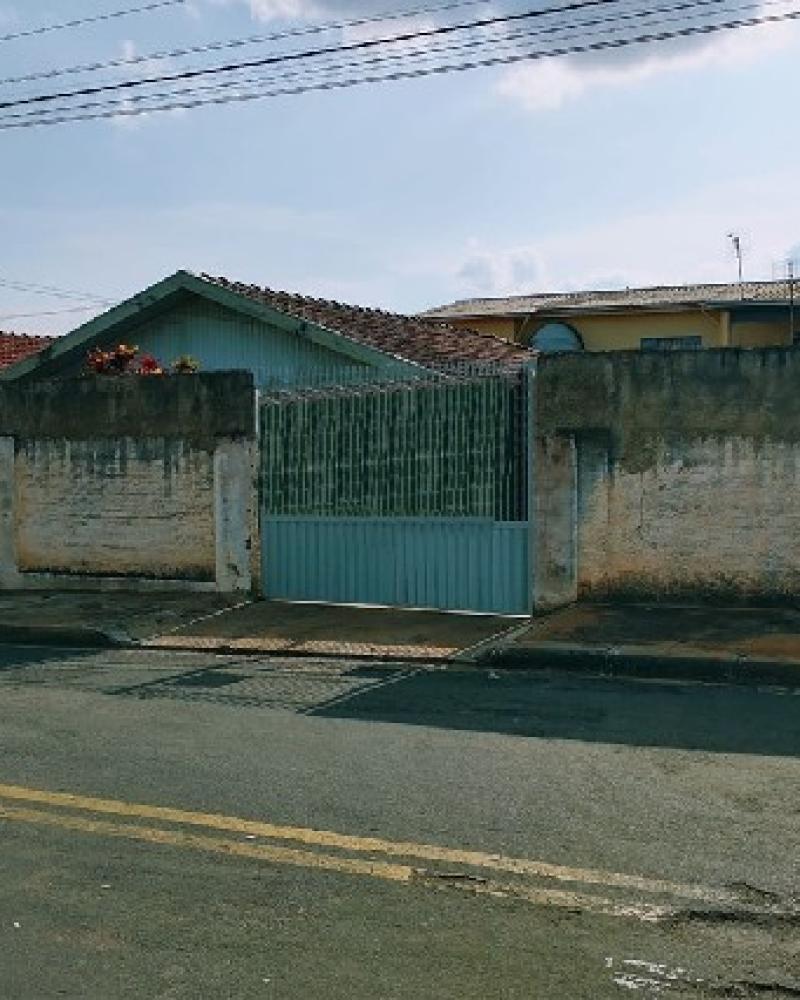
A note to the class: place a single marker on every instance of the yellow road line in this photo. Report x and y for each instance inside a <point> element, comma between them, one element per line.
<point>313,860</point>
<point>180,838</point>
<point>371,845</point>
<point>582,902</point>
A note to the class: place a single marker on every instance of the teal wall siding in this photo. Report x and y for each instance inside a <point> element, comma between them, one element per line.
<point>221,340</point>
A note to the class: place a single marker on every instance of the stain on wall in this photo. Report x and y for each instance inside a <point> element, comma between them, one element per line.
<point>688,472</point>
<point>121,507</point>
<point>146,480</point>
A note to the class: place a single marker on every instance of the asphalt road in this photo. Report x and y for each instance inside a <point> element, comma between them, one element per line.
<point>191,826</point>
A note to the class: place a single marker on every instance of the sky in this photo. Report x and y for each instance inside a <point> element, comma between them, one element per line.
<point>602,170</point>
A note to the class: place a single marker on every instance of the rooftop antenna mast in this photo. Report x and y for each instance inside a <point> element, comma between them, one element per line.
<point>736,243</point>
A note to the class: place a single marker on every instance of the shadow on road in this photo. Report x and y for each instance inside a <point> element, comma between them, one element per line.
<point>17,659</point>
<point>530,704</point>
<point>556,706</point>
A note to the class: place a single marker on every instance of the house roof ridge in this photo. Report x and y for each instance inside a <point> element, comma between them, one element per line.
<point>399,334</point>
<point>654,296</point>
<point>318,300</point>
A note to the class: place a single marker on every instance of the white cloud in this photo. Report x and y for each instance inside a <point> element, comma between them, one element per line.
<point>683,242</point>
<point>500,273</point>
<point>268,10</point>
<point>548,84</point>
<point>297,10</point>
<point>391,28</point>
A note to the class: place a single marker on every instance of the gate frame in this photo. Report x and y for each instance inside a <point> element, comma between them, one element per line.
<point>532,542</point>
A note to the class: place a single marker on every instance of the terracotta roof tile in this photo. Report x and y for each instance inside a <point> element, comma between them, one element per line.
<point>16,346</point>
<point>410,338</point>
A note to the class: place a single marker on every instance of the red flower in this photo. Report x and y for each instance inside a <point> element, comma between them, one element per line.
<point>149,366</point>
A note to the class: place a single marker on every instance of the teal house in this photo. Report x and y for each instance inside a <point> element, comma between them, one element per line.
<point>283,339</point>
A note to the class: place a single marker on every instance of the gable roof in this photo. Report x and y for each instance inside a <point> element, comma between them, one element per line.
<point>384,340</point>
<point>411,338</point>
<point>657,298</point>
<point>16,346</point>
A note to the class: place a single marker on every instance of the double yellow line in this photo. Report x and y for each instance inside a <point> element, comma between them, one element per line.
<point>534,881</point>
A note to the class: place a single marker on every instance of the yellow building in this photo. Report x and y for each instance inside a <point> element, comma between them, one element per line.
<point>682,317</point>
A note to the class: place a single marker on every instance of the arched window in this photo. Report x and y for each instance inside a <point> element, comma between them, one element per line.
<point>553,337</point>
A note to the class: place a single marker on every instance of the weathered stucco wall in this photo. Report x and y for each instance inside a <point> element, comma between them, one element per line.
<point>124,507</point>
<point>128,482</point>
<point>688,471</point>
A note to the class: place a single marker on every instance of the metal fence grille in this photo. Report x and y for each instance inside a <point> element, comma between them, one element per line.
<point>447,445</point>
<point>278,379</point>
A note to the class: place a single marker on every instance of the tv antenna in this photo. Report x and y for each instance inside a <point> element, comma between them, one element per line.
<point>736,243</point>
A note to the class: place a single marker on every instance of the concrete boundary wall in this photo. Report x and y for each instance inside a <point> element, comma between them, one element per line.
<point>129,483</point>
<point>686,483</point>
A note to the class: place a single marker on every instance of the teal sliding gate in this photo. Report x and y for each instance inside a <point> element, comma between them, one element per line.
<point>411,494</point>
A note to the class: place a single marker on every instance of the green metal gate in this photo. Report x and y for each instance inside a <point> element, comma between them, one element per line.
<point>408,493</point>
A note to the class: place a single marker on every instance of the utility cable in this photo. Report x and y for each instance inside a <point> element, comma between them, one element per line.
<point>94,19</point>
<point>54,116</point>
<point>47,312</point>
<point>309,53</point>
<point>691,8</point>
<point>233,43</point>
<point>501,43</point>
<point>51,290</point>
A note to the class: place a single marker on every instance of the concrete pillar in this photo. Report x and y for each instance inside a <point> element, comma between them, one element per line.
<point>233,514</point>
<point>8,546</point>
<point>555,522</point>
<point>725,327</point>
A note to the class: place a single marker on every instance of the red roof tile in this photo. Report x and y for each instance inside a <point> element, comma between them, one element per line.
<point>16,346</point>
<point>411,338</point>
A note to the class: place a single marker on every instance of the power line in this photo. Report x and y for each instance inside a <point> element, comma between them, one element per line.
<point>51,290</point>
<point>233,43</point>
<point>94,19</point>
<point>610,24</point>
<point>169,101</point>
<point>47,312</point>
<point>338,50</point>
<point>60,116</point>
<point>307,53</point>
<point>509,40</point>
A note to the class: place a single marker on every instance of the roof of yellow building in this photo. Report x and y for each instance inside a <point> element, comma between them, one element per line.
<point>660,298</point>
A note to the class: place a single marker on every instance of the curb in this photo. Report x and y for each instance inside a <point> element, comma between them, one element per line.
<point>94,638</point>
<point>302,654</point>
<point>644,664</point>
<point>61,635</point>
<point>634,662</point>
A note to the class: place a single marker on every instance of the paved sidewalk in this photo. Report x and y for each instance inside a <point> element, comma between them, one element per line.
<point>331,630</point>
<point>742,645</point>
<point>213,623</point>
<point>745,645</point>
<point>97,618</point>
